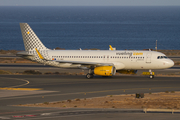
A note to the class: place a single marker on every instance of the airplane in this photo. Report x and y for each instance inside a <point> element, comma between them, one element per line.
<point>98,62</point>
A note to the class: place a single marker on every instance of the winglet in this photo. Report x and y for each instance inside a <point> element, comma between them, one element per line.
<point>40,56</point>
<point>110,47</point>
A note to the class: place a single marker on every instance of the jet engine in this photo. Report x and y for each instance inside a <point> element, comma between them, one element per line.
<point>105,70</point>
<point>127,71</point>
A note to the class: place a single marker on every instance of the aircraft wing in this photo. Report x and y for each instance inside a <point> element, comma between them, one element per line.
<point>85,63</point>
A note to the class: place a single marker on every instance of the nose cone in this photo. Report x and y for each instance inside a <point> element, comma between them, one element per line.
<point>169,63</point>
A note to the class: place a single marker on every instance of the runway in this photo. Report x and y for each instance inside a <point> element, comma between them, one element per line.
<point>58,88</point>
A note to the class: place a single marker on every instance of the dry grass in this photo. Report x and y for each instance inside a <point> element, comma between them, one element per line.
<point>8,51</point>
<point>32,72</point>
<point>5,72</point>
<point>15,60</point>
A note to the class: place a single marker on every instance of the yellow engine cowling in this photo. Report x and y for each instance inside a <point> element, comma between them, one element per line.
<point>127,71</point>
<point>105,70</point>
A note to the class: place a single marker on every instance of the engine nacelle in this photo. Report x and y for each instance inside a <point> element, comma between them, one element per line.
<point>105,70</point>
<point>127,71</point>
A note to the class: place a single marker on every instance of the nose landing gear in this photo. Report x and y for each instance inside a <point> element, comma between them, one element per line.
<point>151,76</point>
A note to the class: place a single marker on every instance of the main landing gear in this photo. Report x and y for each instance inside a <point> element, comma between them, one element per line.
<point>90,74</point>
<point>151,76</point>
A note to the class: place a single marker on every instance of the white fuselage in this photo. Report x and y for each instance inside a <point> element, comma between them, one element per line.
<point>120,59</point>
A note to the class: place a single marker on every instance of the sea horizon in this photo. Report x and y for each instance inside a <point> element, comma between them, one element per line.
<point>86,27</point>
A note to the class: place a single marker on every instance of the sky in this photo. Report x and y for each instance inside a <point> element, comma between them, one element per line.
<point>89,2</point>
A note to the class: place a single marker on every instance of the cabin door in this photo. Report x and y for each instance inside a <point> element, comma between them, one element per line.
<point>148,58</point>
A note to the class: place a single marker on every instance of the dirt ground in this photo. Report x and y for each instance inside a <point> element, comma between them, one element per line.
<point>163,100</point>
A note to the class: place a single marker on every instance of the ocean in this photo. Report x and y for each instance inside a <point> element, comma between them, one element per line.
<point>123,27</point>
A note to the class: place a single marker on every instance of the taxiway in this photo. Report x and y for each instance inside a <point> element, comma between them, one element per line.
<point>60,87</point>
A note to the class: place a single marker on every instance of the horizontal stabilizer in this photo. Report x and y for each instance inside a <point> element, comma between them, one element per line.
<point>23,54</point>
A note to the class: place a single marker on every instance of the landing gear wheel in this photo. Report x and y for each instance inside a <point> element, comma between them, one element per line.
<point>88,76</point>
<point>151,76</point>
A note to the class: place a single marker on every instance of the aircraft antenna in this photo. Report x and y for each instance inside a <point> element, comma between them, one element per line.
<point>156,45</point>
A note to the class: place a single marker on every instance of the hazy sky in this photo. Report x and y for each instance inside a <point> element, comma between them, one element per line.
<point>89,2</point>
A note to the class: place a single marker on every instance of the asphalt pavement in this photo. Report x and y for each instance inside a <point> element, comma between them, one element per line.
<point>63,87</point>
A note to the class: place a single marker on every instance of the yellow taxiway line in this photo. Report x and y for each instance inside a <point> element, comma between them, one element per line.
<point>16,86</point>
<point>30,89</point>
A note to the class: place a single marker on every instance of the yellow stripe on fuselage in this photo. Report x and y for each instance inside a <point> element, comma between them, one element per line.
<point>40,56</point>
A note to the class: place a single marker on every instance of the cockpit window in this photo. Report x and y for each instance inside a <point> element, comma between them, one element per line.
<point>162,57</point>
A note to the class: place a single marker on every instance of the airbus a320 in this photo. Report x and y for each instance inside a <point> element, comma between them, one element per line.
<point>99,62</point>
